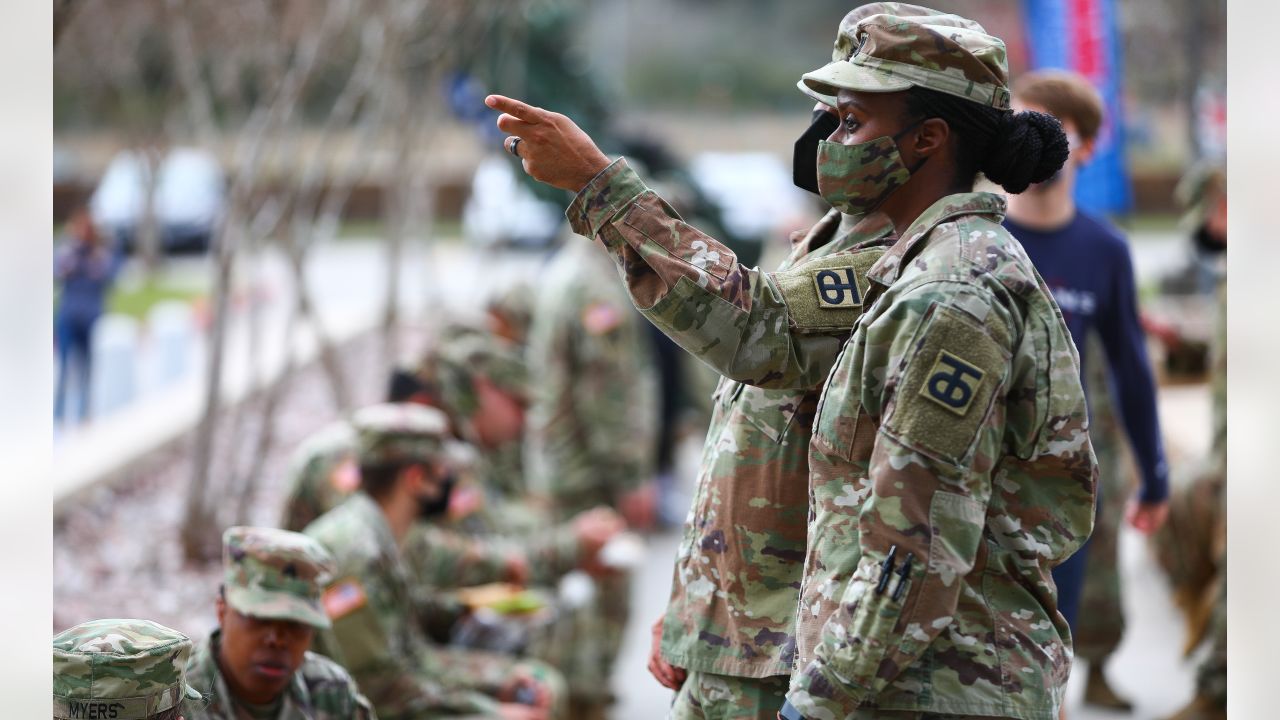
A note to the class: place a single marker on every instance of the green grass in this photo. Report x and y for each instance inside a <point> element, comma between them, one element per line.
<point>137,301</point>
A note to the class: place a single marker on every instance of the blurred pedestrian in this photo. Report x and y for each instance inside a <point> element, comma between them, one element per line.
<point>84,268</point>
<point>258,663</point>
<point>124,669</point>
<point>1193,547</point>
<point>950,466</point>
<point>1088,268</point>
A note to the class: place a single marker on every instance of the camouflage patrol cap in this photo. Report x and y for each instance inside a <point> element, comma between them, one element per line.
<point>890,47</point>
<point>275,574</point>
<point>454,367</point>
<point>514,304</point>
<point>125,669</point>
<point>399,433</point>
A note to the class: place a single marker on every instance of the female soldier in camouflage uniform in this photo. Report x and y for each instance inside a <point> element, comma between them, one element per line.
<point>950,467</point>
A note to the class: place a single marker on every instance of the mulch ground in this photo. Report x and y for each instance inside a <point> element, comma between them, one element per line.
<point>117,552</point>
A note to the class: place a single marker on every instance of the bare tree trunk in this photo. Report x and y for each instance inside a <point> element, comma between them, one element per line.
<point>199,527</point>
<point>146,234</point>
<point>1193,24</point>
<point>199,536</point>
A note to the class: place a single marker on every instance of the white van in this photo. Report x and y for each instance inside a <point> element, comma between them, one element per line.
<point>189,201</point>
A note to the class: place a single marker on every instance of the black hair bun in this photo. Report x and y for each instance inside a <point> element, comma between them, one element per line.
<point>1027,147</point>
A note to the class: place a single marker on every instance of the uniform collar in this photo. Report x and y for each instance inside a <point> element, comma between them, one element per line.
<point>887,269</point>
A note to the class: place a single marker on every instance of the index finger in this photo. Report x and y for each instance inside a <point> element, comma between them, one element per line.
<point>513,107</point>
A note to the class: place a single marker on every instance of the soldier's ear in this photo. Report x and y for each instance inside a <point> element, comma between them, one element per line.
<point>931,137</point>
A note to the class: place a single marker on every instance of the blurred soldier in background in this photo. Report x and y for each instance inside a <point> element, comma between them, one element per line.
<point>593,411</point>
<point>322,472</point>
<point>1193,547</point>
<point>257,663</point>
<point>727,641</point>
<point>510,313</point>
<point>375,632</point>
<point>124,669</point>
<point>1088,267</point>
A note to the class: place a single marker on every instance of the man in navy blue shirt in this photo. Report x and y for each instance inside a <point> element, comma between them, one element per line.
<point>1087,266</point>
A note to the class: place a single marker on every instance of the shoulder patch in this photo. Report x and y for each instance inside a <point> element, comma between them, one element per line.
<point>600,318</point>
<point>947,385</point>
<point>952,383</point>
<point>343,598</point>
<point>825,294</point>
<point>345,477</point>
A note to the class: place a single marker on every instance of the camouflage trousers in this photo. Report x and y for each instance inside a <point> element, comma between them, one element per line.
<point>1211,676</point>
<point>1099,624</point>
<point>725,697</point>
<point>1192,550</point>
<point>490,673</point>
<point>1100,621</point>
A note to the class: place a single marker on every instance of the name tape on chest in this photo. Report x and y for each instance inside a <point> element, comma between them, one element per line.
<point>825,294</point>
<point>837,289</point>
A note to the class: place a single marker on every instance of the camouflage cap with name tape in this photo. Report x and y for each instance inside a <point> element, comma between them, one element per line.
<point>123,669</point>
<point>399,433</point>
<point>890,47</point>
<point>275,574</point>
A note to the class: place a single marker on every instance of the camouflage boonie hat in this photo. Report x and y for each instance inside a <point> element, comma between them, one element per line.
<point>453,367</point>
<point>399,433</point>
<point>890,47</point>
<point>275,574</point>
<point>125,669</point>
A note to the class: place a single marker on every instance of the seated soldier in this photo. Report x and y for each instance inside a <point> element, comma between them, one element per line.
<point>403,479</point>
<point>124,669</point>
<point>480,384</point>
<point>257,664</point>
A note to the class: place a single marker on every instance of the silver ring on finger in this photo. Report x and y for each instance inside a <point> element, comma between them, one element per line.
<point>514,147</point>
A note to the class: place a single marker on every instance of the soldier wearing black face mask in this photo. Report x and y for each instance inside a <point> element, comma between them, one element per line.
<point>371,604</point>
<point>804,160</point>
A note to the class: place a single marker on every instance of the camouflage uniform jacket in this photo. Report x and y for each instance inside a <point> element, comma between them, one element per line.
<point>314,486</point>
<point>951,469</point>
<point>592,414</point>
<point>374,632</point>
<point>320,690</point>
<point>769,330</point>
<point>738,569</point>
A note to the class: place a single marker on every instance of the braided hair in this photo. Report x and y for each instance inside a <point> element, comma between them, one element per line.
<point>1011,149</point>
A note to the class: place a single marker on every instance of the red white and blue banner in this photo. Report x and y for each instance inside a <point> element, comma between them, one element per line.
<point>1081,35</point>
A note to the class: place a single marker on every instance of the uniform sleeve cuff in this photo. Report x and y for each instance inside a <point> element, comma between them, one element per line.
<point>816,694</point>
<point>608,192</point>
<point>1155,487</point>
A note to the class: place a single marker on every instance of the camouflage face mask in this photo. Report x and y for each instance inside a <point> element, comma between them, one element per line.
<point>855,179</point>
